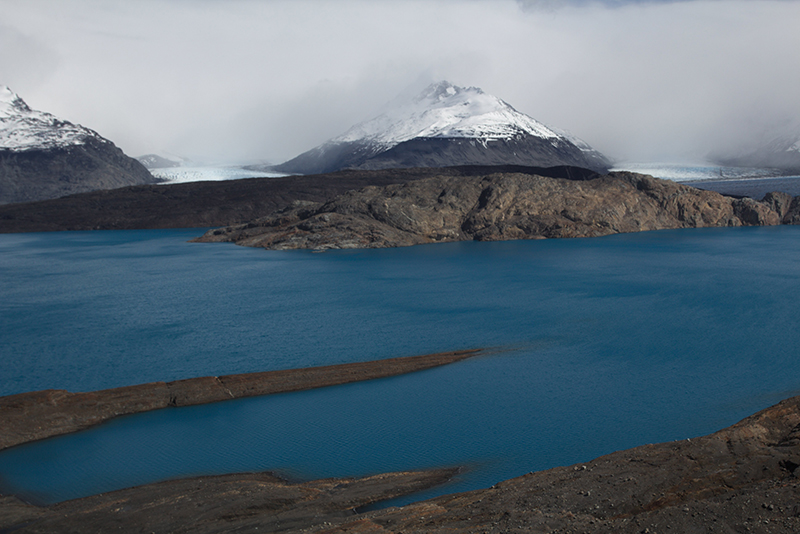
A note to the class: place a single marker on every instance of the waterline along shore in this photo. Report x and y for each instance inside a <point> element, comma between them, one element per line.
<point>27,417</point>
<point>742,478</point>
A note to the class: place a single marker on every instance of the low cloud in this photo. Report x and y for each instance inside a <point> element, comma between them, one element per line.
<point>233,80</point>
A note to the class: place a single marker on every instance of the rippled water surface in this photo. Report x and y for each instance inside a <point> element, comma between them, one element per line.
<point>608,343</point>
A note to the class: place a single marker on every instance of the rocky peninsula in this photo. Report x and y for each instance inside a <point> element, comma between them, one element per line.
<point>26,417</point>
<point>199,204</point>
<point>498,205</point>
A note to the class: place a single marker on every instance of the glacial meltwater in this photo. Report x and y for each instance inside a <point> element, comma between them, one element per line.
<point>603,344</point>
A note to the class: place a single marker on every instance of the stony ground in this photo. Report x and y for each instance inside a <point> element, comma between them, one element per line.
<point>247,502</point>
<point>740,479</point>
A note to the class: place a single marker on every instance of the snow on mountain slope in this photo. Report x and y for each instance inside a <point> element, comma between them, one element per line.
<point>447,125</point>
<point>22,128</point>
<point>42,156</point>
<point>445,110</point>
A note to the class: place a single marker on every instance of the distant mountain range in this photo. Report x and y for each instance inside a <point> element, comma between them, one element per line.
<point>157,161</point>
<point>43,157</point>
<point>778,152</point>
<point>443,126</point>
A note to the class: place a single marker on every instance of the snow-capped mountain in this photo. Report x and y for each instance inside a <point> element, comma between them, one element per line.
<point>42,156</point>
<point>163,161</point>
<point>448,125</point>
<point>22,128</point>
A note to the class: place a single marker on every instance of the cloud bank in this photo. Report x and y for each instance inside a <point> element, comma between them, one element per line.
<point>266,80</point>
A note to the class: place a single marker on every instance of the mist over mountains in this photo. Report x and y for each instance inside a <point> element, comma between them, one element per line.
<point>780,152</point>
<point>447,125</point>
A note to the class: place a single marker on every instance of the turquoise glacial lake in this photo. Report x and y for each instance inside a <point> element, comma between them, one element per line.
<point>603,344</point>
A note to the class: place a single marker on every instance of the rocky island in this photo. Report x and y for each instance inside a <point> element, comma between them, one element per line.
<point>525,203</point>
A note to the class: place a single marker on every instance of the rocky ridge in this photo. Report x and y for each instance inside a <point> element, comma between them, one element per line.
<point>242,502</point>
<point>497,206</point>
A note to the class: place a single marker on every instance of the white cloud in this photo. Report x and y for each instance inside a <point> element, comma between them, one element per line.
<point>269,79</point>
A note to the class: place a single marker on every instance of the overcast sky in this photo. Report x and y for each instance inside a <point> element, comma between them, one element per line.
<point>247,79</point>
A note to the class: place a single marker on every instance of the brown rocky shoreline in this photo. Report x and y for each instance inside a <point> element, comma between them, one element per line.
<point>502,205</point>
<point>744,478</point>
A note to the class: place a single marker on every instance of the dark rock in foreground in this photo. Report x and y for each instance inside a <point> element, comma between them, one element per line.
<point>502,206</point>
<point>740,479</point>
<point>245,502</point>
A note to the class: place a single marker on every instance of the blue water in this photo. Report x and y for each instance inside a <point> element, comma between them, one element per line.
<point>608,343</point>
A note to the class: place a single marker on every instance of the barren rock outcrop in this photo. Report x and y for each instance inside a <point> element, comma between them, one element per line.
<point>501,206</point>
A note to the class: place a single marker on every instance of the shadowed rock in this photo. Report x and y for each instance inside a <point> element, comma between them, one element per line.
<point>207,204</point>
<point>244,502</point>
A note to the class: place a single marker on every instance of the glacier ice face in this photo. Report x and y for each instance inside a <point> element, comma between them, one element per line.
<point>22,128</point>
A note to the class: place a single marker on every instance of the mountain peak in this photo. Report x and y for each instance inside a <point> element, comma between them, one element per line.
<point>22,128</point>
<point>445,110</point>
<point>11,103</point>
<point>442,91</point>
<point>447,125</point>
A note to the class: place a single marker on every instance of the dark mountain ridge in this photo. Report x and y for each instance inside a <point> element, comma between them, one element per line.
<point>43,157</point>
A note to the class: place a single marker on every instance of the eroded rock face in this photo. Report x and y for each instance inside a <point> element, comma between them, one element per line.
<point>501,206</point>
